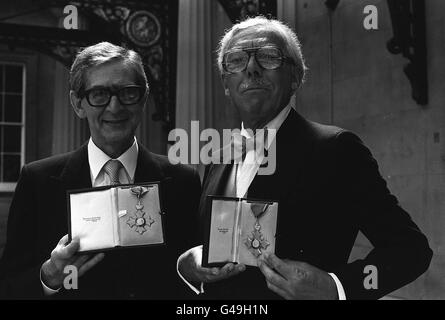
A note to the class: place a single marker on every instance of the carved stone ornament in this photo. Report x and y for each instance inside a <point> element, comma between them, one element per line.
<point>143,28</point>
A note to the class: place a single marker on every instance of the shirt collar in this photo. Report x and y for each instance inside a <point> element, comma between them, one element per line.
<point>274,124</point>
<point>97,158</point>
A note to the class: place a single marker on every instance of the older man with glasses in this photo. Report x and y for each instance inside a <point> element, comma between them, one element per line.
<point>326,181</point>
<point>109,89</point>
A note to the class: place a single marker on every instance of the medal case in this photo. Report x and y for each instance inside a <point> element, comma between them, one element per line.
<point>238,230</point>
<point>116,216</point>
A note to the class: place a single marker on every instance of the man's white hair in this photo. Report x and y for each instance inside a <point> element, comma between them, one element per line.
<point>292,44</point>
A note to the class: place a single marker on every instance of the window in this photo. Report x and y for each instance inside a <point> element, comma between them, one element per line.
<point>12,123</point>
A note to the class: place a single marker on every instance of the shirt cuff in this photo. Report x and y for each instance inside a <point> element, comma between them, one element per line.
<point>196,290</point>
<point>46,290</point>
<point>340,290</point>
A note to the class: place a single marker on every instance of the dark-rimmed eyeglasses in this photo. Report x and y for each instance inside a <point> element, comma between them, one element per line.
<point>101,96</point>
<point>269,58</point>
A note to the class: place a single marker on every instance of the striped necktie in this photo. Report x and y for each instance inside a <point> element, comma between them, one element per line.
<point>111,168</point>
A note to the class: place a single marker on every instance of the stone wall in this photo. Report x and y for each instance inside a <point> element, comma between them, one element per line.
<point>355,83</point>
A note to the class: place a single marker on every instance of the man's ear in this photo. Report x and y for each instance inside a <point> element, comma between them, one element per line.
<point>147,93</point>
<point>295,80</point>
<point>77,105</point>
<point>295,76</point>
<point>224,83</point>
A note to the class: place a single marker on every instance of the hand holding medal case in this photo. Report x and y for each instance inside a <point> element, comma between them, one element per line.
<point>239,230</point>
<point>116,216</point>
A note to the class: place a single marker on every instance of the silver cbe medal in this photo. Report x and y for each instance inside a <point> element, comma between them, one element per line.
<point>256,242</point>
<point>138,221</point>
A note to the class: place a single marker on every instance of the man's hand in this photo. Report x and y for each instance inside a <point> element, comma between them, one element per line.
<point>190,268</point>
<point>296,280</point>
<point>65,254</point>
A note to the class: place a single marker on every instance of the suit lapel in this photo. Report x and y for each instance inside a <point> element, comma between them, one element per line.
<point>76,173</point>
<point>293,148</point>
<point>147,168</point>
<point>214,183</point>
<point>218,178</point>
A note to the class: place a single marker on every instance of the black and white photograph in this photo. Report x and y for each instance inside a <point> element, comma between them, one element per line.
<point>214,151</point>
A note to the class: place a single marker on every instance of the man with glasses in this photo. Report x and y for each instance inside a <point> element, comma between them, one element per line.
<point>109,89</point>
<point>326,181</point>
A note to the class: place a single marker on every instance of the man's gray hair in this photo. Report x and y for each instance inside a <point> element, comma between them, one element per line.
<point>101,53</point>
<point>290,39</point>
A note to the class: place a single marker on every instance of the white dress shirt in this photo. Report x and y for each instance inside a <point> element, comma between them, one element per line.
<point>248,168</point>
<point>96,160</point>
<point>246,172</point>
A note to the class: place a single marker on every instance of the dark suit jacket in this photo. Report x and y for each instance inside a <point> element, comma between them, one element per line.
<point>38,219</point>
<point>329,187</point>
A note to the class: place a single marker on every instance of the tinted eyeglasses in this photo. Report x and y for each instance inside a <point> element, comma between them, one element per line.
<point>101,96</point>
<point>269,58</point>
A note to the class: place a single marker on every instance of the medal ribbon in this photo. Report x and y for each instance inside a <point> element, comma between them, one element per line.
<point>259,209</point>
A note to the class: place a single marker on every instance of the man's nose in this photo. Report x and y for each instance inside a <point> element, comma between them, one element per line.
<point>253,69</point>
<point>114,105</point>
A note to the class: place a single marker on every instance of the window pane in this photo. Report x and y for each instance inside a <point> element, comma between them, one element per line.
<point>1,77</point>
<point>11,139</point>
<point>11,168</point>
<point>13,78</point>
<point>13,108</point>
<point>1,107</point>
